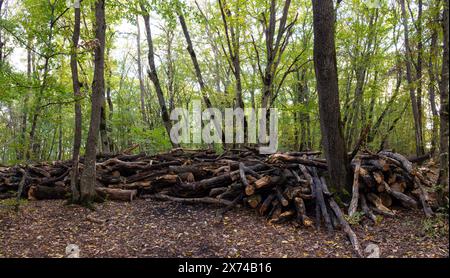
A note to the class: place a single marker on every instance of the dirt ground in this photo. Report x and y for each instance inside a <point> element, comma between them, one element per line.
<point>146,228</point>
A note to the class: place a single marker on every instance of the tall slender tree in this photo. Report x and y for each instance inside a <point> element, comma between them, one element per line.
<point>333,143</point>
<point>140,72</point>
<point>416,105</point>
<point>443,88</point>
<point>87,182</point>
<point>1,40</point>
<point>74,181</point>
<point>152,73</point>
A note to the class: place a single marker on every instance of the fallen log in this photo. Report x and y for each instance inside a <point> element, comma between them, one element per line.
<point>203,200</point>
<point>41,192</point>
<point>116,194</point>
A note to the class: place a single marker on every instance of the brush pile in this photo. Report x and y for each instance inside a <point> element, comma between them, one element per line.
<point>282,187</point>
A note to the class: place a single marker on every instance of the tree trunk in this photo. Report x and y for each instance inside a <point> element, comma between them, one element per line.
<point>415,107</point>
<point>333,142</point>
<point>419,70</point>
<point>432,90</point>
<point>87,183</point>
<point>1,40</point>
<point>60,136</point>
<point>443,172</point>
<point>153,73</point>
<point>104,137</point>
<point>140,74</point>
<point>191,51</point>
<point>31,149</point>
<point>74,179</point>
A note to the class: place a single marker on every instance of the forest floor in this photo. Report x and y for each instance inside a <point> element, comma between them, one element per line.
<point>147,228</point>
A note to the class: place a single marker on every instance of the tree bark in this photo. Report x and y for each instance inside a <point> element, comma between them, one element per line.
<point>432,71</point>
<point>140,73</point>
<point>443,88</point>
<point>414,103</point>
<point>88,180</point>
<point>198,73</point>
<point>333,142</point>
<point>153,75</point>
<point>1,40</point>
<point>31,148</point>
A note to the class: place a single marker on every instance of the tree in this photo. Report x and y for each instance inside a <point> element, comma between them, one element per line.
<point>415,98</point>
<point>1,41</point>
<point>87,182</point>
<point>333,143</point>
<point>276,43</point>
<point>74,181</point>
<point>152,73</point>
<point>140,74</point>
<point>443,88</point>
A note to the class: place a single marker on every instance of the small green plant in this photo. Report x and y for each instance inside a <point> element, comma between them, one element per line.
<point>437,226</point>
<point>12,203</point>
<point>355,218</point>
<point>378,219</point>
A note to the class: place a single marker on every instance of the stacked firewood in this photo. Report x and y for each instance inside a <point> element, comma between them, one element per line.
<point>282,187</point>
<point>388,178</point>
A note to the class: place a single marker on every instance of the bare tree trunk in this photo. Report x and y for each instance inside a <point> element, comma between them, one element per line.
<point>1,39</point>
<point>415,107</point>
<point>140,74</point>
<point>23,135</point>
<point>419,68</point>
<point>198,72</point>
<point>443,88</point>
<point>31,149</point>
<point>104,137</point>
<point>387,109</point>
<point>203,87</point>
<point>87,183</point>
<point>153,73</point>
<point>432,71</point>
<point>74,179</point>
<point>333,142</point>
<point>60,135</point>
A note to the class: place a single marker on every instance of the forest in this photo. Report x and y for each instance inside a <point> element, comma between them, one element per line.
<point>352,94</point>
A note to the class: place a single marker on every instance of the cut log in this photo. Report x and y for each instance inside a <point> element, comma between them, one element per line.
<point>367,211</point>
<point>398,187</point>
<point>402,197</point>
<point>301,212</point>
<point>254,201</point>
<point>346,227</point>
<point>423,198</point>
<point>379,178</point>
<point>386,199</point>
<point>287,158</point>
<point>376,201</point>
<point>283,217</point>
<point>38,171</point>
<point>203,200</point>
<point>263,182</point>
<point>41,192</point>
<point>280,197</point>
<point>217,191</point>
<point>405,163</point>
<point>266,204</point>
<point>318,191</point>
<point>116,194</point>
<point>355,190</point>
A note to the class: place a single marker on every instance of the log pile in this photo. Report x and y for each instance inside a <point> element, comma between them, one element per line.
<point>386,179</point>
<point>282,187</point>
